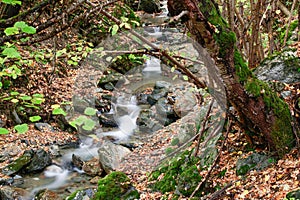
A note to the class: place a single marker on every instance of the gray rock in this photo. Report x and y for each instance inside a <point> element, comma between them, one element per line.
<point>44,127</point>
<point>110,155</point>
<point>282,67</point>
<point>19,163</point>
<point>46,194</point>
<point>149,6</point>
<point>108,82</point>
<point>162,85</point>
<point>184,103</point>
<point>79,104</point>
<point>92,167</point>
<point>40,160</point>
<point>8,193</point>
<point>255,161</point>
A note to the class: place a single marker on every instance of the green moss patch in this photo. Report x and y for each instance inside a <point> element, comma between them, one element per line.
<point>117,186</point>
<point>181,175</point>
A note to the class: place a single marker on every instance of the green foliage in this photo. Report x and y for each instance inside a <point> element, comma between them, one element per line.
<point>90,111</point>
<point>35,118</point>
<point>18,27</point>
<point>22,101</point>
<point>57,110</point>
<point>22,128</point>
<point>12,2</point>
<point>83,121</point>
<point>115,185</point>
<point>180,174</point>
<point>3,131</point>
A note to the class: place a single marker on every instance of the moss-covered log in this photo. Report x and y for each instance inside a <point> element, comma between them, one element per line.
<point>259,108</point>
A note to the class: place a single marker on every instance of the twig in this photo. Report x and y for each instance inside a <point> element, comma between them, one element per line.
<point>214,163</point>
<point>217,194</point>
<point>203,125</point>
<point>10,21</point>
<point>289,23</point>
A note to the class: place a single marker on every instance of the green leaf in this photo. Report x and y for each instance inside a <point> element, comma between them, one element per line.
<point>1,84</point>
<point>12,2</point>
<point>25,98</point>
<point>11,31</point>
<point>20,25</point>
<point>14,93</point>
<point>3,131</point>
<point>37,95</point>
<point>29,30</point>
<point>59,111</point>
<point>89,125</point>
<point>11,53</point>
<point>90,111</point>
<point>114,29</point>
<point>15,100</point>
<point>185,77</point>
<point>22,128</point>
<point>35,118</point>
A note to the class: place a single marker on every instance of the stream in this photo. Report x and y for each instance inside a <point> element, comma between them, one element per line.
<point>144,100</point>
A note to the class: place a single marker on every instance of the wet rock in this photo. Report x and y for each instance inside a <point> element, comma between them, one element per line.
<point>92,167</point>
<point>107,120</point>
<point>44,127</point>
<point>156,95</point>
<point>54,150</point>
<point>162,85</point>
<point>110,155</point>
<point>82,194</point>
<point>255,161</point>
<point>6,180</point>
<point>19,163</point>
<point>46,195</point>
<point>116,185</point>
<point>147,123</point>
<point>108,82</point>
<point>77,161</point>
<point>8,193</point>
<point>79,104</point>
<point>40,160</point>
<point>282,67</point>
<point>149,6</point>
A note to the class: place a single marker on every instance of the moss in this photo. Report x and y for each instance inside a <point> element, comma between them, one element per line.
<point>180,174</point>
<point>73,195</point>
<point>115,185</point>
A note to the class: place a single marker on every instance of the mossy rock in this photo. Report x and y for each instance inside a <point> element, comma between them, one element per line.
<point>180,175</point>
<point>293,195</point>
<point>117,186</point>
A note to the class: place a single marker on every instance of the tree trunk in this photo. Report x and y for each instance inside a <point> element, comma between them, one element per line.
<point>259,108</point>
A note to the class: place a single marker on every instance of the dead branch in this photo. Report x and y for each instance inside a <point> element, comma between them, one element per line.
<point>203,127</point>
<point>214,163</point>
<point>283,8</point>
<point>289,23</point>
<point>12,20</point>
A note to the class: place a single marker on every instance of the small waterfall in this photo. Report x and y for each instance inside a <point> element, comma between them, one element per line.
<point>126,122</point>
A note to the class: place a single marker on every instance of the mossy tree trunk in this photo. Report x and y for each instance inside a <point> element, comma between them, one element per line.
<point>259,108</point>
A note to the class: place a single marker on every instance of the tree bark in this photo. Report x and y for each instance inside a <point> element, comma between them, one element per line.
<point>259,108</point>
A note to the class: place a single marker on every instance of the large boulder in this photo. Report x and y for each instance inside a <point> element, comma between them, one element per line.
<point>40,160</point>
<point>110,155</point>
<point>283,67</point>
